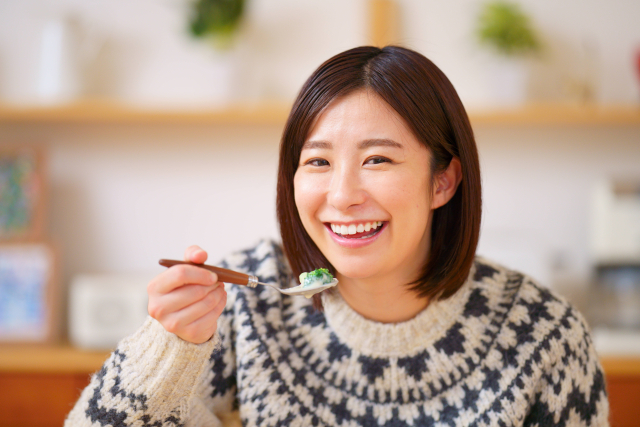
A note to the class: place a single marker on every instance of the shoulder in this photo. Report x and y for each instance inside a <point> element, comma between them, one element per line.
<point>547,342</point>
<point>534,316</point>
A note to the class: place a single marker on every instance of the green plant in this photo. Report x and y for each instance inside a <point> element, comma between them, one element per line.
<point>506,28</point>
<point>217,20</point>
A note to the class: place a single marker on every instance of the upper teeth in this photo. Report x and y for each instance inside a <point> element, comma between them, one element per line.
<point>355,228</point>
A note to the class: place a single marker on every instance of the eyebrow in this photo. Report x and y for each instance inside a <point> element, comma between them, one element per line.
<point>379,143</point>
<point>362,145</point>
<point>316,144</point>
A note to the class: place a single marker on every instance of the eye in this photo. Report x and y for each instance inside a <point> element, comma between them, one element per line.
<point>377,160</point>
<point>317,162</point>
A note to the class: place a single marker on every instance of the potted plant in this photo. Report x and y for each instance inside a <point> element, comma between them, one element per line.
<point>216,20</point>
<point>217,23</point>
<point>507,31</point>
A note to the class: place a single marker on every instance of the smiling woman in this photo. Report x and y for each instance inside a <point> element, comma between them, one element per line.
<point>378,184</point>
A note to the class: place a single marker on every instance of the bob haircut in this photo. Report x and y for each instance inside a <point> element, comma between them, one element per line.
<point>423,96</point>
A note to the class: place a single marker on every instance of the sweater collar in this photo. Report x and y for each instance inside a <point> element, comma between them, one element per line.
<point>377,339</point>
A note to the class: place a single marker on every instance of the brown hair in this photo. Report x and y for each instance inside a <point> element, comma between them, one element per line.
<point>423,96</point>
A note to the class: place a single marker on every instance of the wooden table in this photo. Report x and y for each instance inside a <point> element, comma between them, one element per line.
<point>40,384</point>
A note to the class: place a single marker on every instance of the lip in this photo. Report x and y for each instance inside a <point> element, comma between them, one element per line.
<point>355,243</point>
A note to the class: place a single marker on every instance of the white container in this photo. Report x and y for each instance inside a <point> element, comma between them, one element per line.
<point>615,223</point>
<point>58,78</point>
<point>103,309</point>
<point>66,49</point>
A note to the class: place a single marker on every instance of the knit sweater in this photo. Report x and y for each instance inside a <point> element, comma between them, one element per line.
<point>502,351</point>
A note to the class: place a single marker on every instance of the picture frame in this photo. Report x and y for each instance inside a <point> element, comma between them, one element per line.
<point>29,293</point>
<point>22,193</point>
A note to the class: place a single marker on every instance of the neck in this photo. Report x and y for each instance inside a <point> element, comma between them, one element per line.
<point>380,300</point>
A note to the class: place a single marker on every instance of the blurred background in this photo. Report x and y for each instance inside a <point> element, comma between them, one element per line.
<point>131,129</point>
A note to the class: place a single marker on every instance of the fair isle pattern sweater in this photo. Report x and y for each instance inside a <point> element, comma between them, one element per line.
<point>502,351</point>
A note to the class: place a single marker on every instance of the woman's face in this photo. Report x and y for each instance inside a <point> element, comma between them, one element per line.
<point>362,189</point>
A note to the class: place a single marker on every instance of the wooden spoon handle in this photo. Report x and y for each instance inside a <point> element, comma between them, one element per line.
<point>224,275</point>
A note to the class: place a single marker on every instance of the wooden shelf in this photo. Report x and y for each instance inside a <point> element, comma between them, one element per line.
<point>559,114</point>
<point>102,112</point>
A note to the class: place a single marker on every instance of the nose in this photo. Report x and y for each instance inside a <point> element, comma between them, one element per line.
<point>346,190</point>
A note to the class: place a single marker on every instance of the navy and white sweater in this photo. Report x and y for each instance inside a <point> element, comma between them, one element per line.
<point>502,351</point>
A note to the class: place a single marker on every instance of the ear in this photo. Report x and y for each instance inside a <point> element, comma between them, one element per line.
<point>446,183</point>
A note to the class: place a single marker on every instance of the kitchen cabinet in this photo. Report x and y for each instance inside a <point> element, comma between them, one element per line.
<point>40,384</point>
<point>623,386</point>
<point>38,399</point>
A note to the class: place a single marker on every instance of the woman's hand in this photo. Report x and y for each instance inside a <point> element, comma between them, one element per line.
<point>187,300</point>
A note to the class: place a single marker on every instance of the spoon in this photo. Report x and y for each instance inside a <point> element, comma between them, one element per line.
<point>230,276</point>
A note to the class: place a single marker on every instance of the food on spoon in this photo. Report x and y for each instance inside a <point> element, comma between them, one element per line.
<point>316,278</point>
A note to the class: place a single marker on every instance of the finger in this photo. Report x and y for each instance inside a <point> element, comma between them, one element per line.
<point>180,275</point>
<point>162,305</point>
<point>203,328</point>
<point>198,309</point>
<point>177,322</point>
<point>195,254</point>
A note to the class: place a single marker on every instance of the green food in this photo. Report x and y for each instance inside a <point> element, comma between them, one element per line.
<point>317,277</point>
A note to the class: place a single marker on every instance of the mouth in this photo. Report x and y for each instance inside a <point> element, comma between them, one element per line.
<point>356,231</point>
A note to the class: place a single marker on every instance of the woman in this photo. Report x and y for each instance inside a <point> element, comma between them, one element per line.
<point>379,182</point>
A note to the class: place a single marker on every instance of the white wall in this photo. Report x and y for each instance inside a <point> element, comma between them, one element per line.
<point>591,40</point>
<point>123,196</point>
<point>538,192</point>
<point>140,50</point>
<point>148,57</point>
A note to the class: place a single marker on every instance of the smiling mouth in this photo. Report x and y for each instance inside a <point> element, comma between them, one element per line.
<point>357,231</point>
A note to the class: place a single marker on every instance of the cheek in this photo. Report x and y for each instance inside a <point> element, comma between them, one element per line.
<point>403,193</point>
<point>305,195</point>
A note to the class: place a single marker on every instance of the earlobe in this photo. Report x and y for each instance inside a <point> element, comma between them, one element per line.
<point>446,184</point>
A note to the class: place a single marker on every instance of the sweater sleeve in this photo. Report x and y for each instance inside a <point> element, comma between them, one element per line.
<point>572,391</point>
<point>155,378</point>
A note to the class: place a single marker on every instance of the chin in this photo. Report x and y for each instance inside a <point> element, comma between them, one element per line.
<point>355,270</point>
